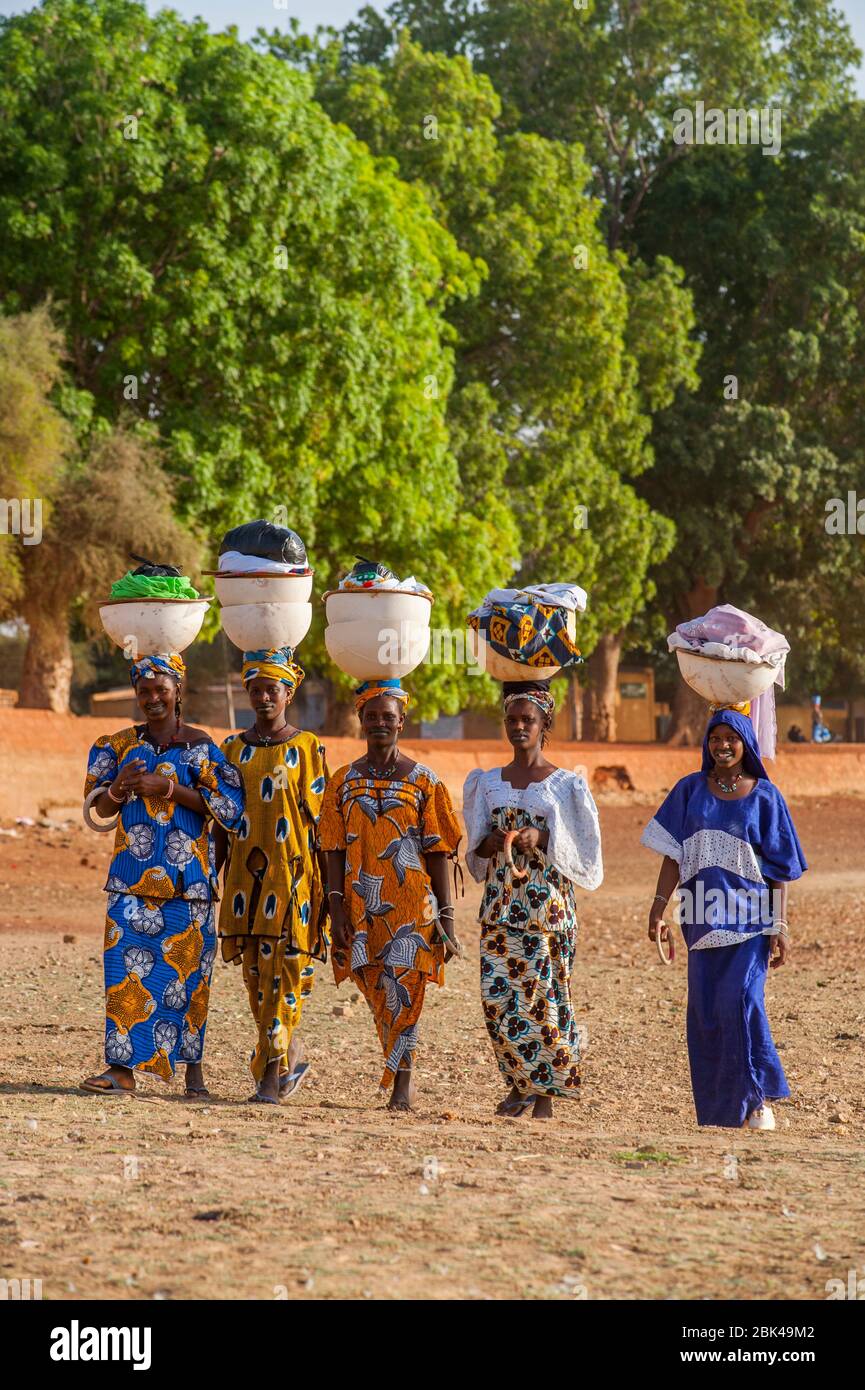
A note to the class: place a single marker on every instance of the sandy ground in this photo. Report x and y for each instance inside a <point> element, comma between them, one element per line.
<point>330,1196</point>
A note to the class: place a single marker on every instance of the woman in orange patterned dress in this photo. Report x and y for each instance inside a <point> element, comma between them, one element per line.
<point>388,828</point>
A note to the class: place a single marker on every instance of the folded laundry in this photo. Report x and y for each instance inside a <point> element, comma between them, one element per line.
<point>533,634</point>
<point>567,596</point>
<point>168,586</point>
<point>233,562</point>
<point>368,574</point>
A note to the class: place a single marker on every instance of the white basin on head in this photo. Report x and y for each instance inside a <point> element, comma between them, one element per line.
<point>373,650</point>
<point>235,590</point>
<point>383,606</point>
<point>724,682</point>
<point>143,627</point>
<point>256,626</point>
<point>503,668</point>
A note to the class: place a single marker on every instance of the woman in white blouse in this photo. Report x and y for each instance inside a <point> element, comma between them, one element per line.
<point>529,927</point>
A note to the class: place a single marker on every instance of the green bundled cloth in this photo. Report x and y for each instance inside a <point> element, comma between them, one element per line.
<point>133,586</point>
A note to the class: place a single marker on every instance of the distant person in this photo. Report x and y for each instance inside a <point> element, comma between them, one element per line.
<point>727,840</point>
<point>272,918</point>
<point>547,816</point>
<point>166,782</point>
<point>820,733</point>
<point>795,734</point>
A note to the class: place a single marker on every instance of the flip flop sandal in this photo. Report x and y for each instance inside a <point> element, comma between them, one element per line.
<point>113,1088</point>
<point>192,1092</point>
<point>259,1099</point>
<point>517,1107</point>
<point>293,1080</point>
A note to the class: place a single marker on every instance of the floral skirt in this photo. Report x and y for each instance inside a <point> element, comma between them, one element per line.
<point>526,992</point>
<point>158,961</point>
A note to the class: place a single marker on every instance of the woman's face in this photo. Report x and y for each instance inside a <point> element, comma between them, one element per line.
<point>725,746</point>
<point>267,697</point>
<point>156,696</point>
<point>381,720</point>
<point>525,724</point>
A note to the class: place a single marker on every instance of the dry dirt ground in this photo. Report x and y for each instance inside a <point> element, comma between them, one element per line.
<point>330,1196</point>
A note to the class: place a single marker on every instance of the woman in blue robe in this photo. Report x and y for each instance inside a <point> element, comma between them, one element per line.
<point>730,845</point>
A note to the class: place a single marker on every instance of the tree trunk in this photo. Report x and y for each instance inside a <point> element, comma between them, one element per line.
<point>599,704</point>
<point>575,707</point>
<point>690,710</point>
<point>46,679</point>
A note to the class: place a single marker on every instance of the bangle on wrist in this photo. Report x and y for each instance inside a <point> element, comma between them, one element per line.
<point>118,800</point>
<point>659,898</point>
<point>170,793</point>
<point>335,893</point>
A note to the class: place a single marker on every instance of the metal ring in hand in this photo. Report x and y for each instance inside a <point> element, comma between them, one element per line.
<point>664,938</point>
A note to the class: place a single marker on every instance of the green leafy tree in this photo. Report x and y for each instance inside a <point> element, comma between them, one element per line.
<point>241,276</point>
<point>567,346</point>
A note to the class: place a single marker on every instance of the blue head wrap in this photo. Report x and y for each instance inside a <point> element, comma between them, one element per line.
<point>161,664</point>
<point>741,723</point>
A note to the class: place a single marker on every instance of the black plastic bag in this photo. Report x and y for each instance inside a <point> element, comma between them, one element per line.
<point>266,541</point>
<point>365,571</point>
<point>154,571</point>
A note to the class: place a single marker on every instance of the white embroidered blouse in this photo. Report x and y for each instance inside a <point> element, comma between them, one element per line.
<point>564,802</point>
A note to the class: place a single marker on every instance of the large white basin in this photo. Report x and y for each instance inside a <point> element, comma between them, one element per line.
<point>387,607</point>
<point>237,590</point>
<point>143,627</point>
<point>373,649</point>
<point>254,626</point>
<point>724,682</point>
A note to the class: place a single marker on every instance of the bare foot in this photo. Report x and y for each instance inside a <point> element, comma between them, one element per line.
<point>111,1081</point>
<point>543,1108</point>
<point>404,1092</point>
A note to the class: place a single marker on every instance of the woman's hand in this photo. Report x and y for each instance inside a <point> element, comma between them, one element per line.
<point>779,949</point>
<point>528,839</point>
<point>150,784</point>
<point>656,920</point>
<point>129,773</point>
<point>493,843</point>
<point>338,927</point>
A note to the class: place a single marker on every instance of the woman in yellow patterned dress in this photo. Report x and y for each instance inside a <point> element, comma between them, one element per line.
<point>272,919</point>
<point>388,827</point>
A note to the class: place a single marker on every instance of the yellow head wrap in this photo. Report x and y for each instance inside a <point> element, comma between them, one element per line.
<point>276,664</point>
<point>370,689</point>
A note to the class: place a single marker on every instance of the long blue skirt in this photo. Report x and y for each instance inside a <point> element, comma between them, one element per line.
<point>158,962</point>
<point>734,1064</point>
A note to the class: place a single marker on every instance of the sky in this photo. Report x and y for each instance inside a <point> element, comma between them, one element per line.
<point>250,15</point>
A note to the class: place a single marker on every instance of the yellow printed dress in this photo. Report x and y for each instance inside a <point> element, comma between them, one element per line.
<point>272,918</point>
<point>160,938</point>
<point>386,825</point>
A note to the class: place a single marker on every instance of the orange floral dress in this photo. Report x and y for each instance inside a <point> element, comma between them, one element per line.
<point>386,826</point>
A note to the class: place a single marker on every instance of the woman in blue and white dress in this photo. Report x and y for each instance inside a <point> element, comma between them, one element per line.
<point>547,817</point>
<point>731,847</point>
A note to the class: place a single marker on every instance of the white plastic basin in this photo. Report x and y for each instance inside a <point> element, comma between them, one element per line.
<point>143,627</point>
<point>253,626</point>
<point>372,649</point>
<point>725,682</point>
<point>237,590</point>
<point>387,607</point>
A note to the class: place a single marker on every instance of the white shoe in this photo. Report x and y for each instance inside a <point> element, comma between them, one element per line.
<point>764,1118</point>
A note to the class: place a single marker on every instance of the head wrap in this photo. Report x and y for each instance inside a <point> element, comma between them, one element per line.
<point>741,724</point>
<point>160,664</point>
<point>370,689</point>
<point>276,664</point>
<point>536,691</point>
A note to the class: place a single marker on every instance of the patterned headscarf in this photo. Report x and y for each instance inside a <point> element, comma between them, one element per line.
<point>276,664</point>
<point>161,664</point>
<point>370,689</point>
<point>538,694</point>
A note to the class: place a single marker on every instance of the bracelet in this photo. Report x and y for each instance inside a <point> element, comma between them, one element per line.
<point>118,800</point>
<point>335,893</point>
<point>659,898</point>
<point>170,793</point>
